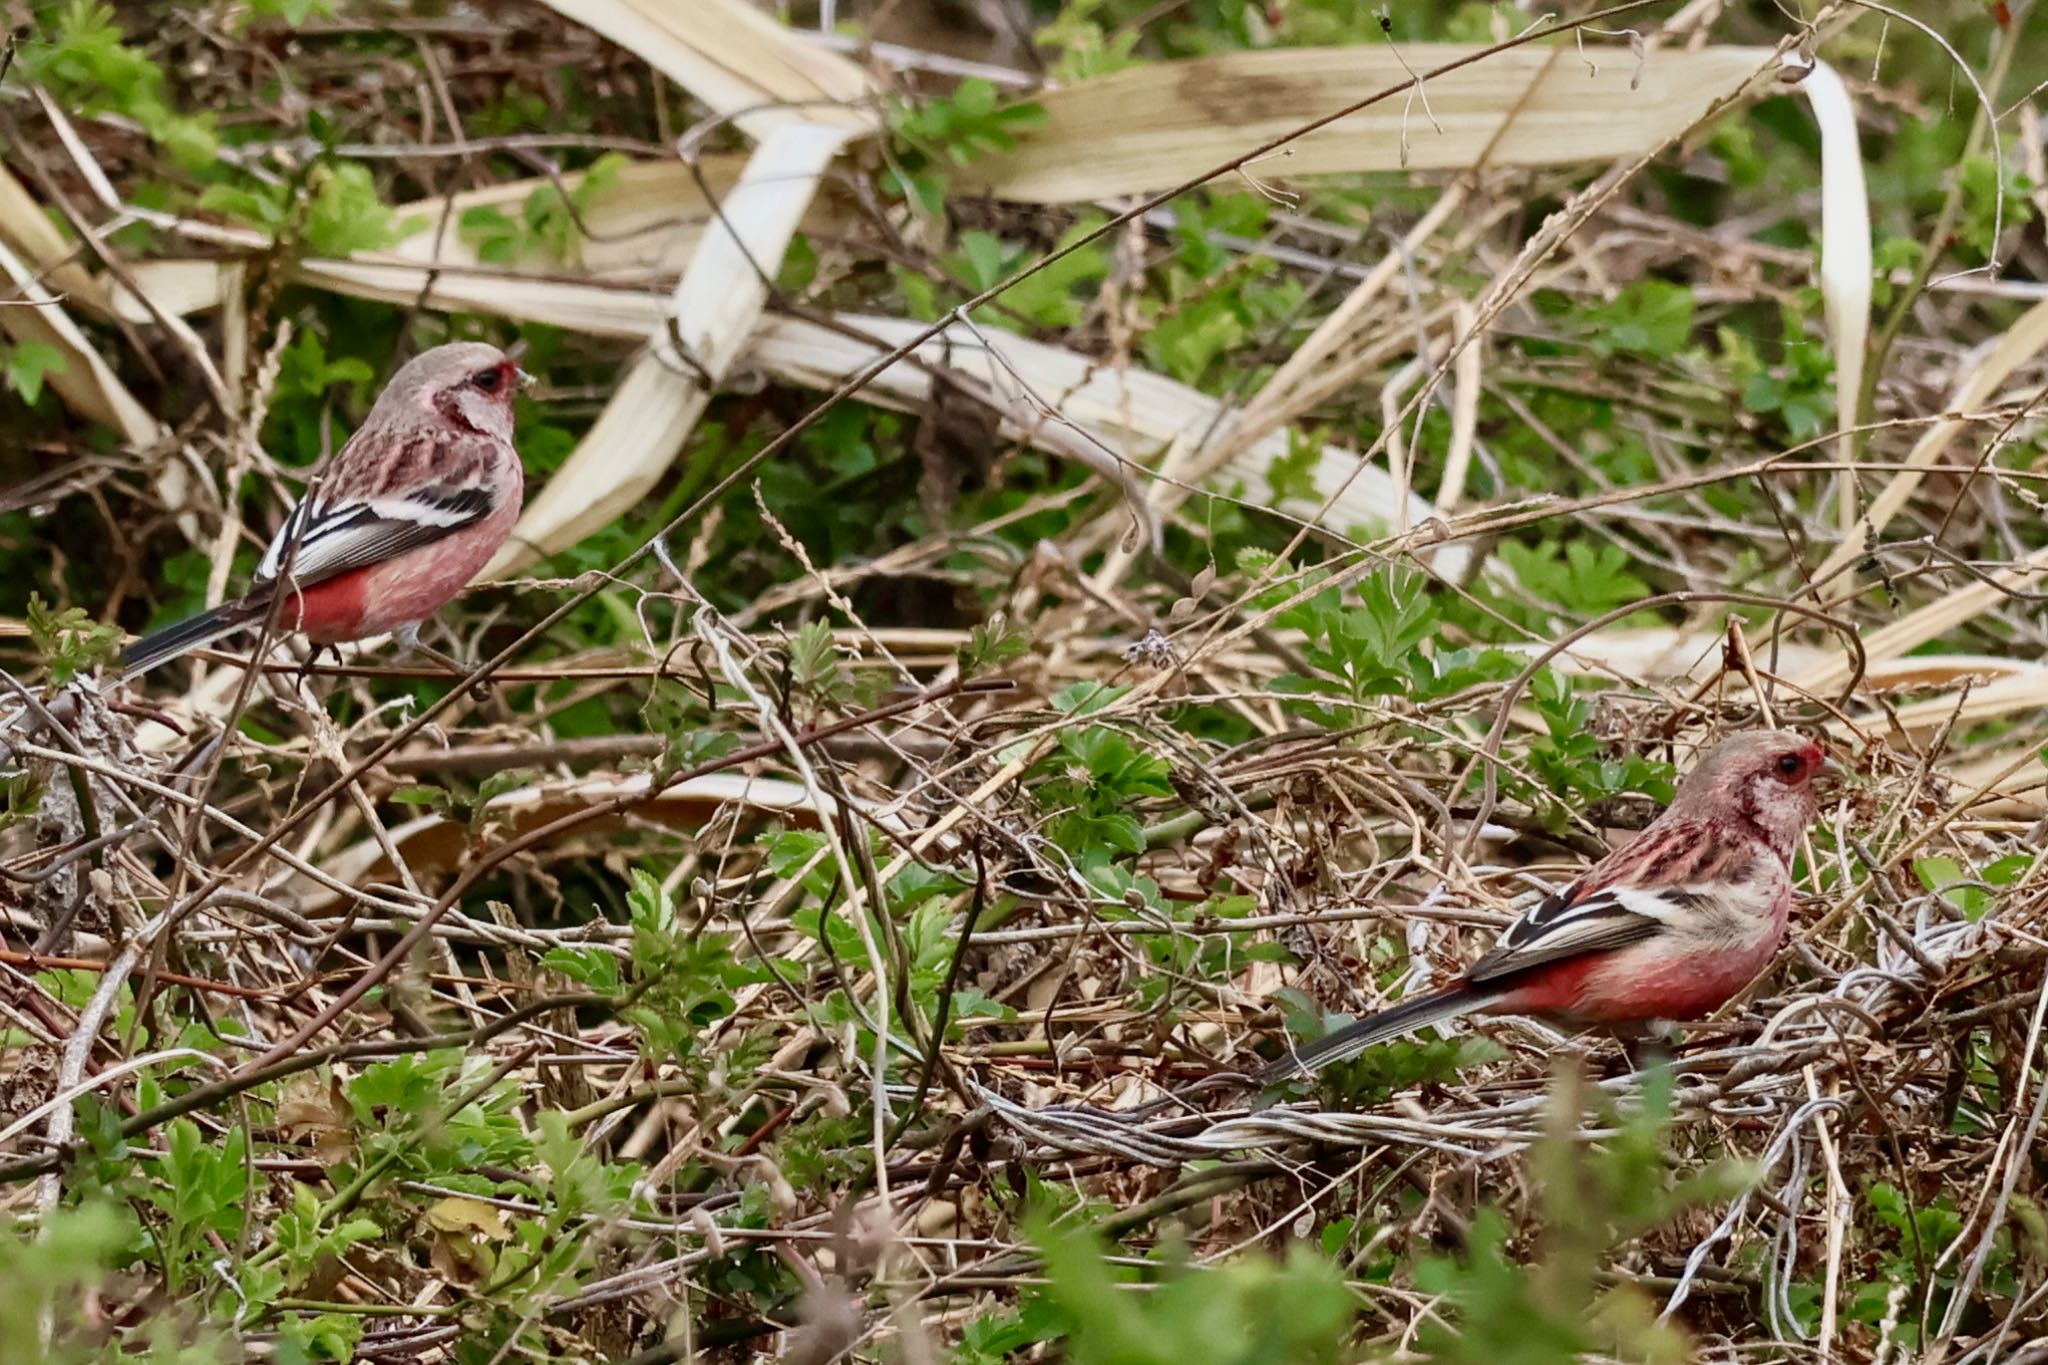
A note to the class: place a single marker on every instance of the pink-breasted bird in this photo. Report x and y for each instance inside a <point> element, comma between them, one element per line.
<point>1668,926</point>
<point>411,508</point>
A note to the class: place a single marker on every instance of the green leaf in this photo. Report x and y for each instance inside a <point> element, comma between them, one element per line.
<point>346,215</point>
<point>69,641</point>
<point>27,363</point>
<point>1085,698</point>
<point>1941,874</point>
<point>990,645</point>
<point>1650,317</point>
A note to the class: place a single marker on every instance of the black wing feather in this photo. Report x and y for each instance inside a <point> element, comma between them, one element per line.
<point>352,537</point>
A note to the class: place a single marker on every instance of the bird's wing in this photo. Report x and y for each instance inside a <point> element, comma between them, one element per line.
<point>1574,921</point>
<point>336,535</point>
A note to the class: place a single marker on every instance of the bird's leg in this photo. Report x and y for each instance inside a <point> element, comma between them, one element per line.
<point>313,661</point>
<point>1647,1045</point>
<point>409,644</point>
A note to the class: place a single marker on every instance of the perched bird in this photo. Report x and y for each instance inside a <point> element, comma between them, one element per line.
<point>1668,926</point>
<point>406,513</point>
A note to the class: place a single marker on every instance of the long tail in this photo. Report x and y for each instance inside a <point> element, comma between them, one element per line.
<point>1352,1039</point>
<point>164,645</point>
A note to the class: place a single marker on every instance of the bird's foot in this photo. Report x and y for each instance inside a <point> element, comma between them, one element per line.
<point>1648,1047</point>
<point>409,644</point>
<point>312,661</point>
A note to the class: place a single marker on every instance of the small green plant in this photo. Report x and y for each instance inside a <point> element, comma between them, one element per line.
<point>1546,1305</point>
<point>932,135</point>
<point>21,796</point>
<point>1571,762</point>
<point>990,645</point>
<point>1096,773</point>
<point>1578,576</point>
<point>201,1191</point>
<point>1387,645</point>
<point>1291,1312</point>
<point>549,224</point>
<point>84,58</point>
<point>681,981</point>
<point>69,641</point>
<point>1798,391</point>
<point>26,364</point>
<point>343,213</point>
<point>292,12</point>
<point>1651,318</point>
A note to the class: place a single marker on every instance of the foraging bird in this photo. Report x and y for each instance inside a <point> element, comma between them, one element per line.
<point>1668,926</point>
<point>410,509</point>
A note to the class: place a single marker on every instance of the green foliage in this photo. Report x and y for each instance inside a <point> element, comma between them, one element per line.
<point>1388,645</point>
<point>933,134</point>
<point>20,798</point>
<point>1545,1304</point>
<point>1253,1309</point>
<point>1912,1239</point>
<point>1651,318</point>
<point>314,1338</point>
<point>990,645</point>
<point>69,641</point>
<point>83,56</point>
<point>682,719</point>
<point>549,225</point>
<point>1571,764</point>
<point>1047,297</point>
<point>681,982</point>
<point>1577,576</point>
<point>342,211</point>
<point>201,1189</point>
<point>474,811</point>
<point>1384,1071</point>
<point>815,667</point>
<point>26,364</point>
<point>305,1245</point>
<point>1088,786</point>
<point>1798,391</point>
<point>60,1265</point>
<point>1970,895</point>
<point>1088,42</point>
<point>971,123</point>
<point>1990,206</point>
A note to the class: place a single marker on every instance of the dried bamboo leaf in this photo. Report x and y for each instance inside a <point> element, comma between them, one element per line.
<point>641,234</point>
<point>1152,127</point>
<point>1845,257</point>
<point>85,382</point>
<point>2021,343</point>
<point>29,233</point>
<point>2012,687</point>
<point>1159,408</point>
<point>742,63</point>
<point>1133,413</point>
<point>663,393</point>
<point>1930,622</point>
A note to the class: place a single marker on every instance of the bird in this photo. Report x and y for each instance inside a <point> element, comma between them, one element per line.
<point>1667,927</point>
<point>411,508</point>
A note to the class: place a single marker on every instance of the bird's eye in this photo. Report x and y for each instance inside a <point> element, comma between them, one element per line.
<point>1790,766</point>
<point>490,381</point>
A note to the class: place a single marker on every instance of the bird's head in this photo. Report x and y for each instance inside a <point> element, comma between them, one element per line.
<point>467,383</point>
<point>1766,776</point>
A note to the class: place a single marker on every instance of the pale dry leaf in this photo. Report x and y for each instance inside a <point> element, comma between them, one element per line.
<point>1148,128</point>
<point>315,1111</point>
